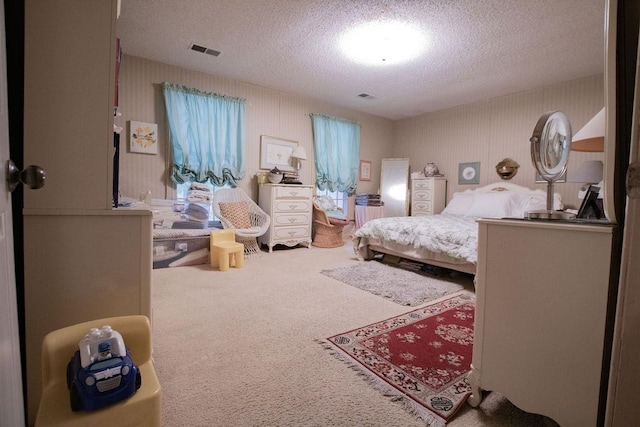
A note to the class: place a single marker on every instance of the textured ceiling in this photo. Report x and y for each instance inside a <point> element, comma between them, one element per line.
<point>479,48</point>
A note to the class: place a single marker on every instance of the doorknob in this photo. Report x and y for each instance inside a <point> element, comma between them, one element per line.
<point>32,176</point>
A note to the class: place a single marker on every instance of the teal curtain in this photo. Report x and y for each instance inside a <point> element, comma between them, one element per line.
<point>207,135</point>
<point>336,144</point>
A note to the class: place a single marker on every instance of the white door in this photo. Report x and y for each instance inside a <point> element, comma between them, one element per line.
<point>11,402</point>
<point>622,403</point>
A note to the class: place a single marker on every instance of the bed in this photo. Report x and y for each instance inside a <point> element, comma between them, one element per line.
<point>449,239</point>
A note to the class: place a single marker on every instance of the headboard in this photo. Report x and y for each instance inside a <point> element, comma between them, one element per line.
<point>527,199</point>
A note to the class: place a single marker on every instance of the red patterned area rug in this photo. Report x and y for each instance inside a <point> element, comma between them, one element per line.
<point>420,358</point>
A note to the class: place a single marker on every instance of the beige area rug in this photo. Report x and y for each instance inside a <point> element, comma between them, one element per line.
<point>239,348</point>
<point>400,285</point>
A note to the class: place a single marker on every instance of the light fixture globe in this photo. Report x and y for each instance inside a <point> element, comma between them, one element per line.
<point>383,43</point>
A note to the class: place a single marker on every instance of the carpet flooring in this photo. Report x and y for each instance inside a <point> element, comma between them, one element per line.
<point>239,348</point>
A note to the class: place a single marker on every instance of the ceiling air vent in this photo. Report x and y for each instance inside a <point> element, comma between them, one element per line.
<point>203,49</point>
<point>366,96</point>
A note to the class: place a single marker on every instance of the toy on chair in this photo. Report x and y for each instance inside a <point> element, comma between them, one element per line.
<point>101,371</point>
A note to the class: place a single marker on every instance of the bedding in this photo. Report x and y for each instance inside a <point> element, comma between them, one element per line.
<point>449,239</point>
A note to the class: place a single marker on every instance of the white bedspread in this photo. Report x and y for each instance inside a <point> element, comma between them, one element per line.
<point>452,235</point>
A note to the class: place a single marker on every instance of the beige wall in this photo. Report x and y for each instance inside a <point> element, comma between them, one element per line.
<point>485,131</point>
<point>491,130</point>
<point>269,112</point>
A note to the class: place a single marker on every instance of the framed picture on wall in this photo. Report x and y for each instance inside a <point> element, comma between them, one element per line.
<point>469,173</point>
<point>143,137</point>
<point>276,153</point>
<point>365,170</point>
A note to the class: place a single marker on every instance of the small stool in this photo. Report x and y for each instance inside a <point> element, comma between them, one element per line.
<point>225,251</point>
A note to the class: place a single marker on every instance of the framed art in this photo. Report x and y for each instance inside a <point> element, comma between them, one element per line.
<point>276,153</point>
<point>589,207</point>
<point>365,170</point>
<point>540,180</point>
<point>143,137</point>
<point>469,173</point>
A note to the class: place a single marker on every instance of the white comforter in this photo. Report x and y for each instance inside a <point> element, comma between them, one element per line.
<point>452,235</point>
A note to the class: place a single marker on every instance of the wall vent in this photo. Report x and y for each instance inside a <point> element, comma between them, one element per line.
<point>202,49</point>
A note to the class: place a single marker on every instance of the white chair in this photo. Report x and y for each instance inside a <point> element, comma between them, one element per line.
<point>235,209</point>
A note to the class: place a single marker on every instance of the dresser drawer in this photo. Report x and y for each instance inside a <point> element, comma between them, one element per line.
<point>292,205</point>
<point>421,206</point>
<point>291,219</point>
<point>285,233</point>
<point>423,184</point>
<point>292,192</point>
<point>420,195</point>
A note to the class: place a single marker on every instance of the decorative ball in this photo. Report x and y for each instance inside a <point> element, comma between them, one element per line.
<point>275,177</point>
<point>431,169</point>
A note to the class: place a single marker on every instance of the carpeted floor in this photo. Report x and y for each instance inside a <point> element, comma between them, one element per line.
<point>239,348</point>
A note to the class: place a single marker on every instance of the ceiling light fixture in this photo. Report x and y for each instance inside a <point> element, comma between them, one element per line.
<point>383,43</point>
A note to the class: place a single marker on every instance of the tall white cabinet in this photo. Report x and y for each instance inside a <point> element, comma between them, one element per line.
<point>83,259</point>
<point>541,311</point>
<point>428,196</point>
<point>290,208</point>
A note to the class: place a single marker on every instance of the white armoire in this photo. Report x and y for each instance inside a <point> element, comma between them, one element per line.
<point>83,260</point>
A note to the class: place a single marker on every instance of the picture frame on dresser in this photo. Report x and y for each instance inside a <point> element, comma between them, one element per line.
<point>276,153</point>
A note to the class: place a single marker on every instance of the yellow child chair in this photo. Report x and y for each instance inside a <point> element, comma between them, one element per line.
<point>141,409</point>
<point>224,250</point>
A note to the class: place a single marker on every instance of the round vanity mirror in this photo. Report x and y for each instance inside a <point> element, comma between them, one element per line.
<point>550,145</point>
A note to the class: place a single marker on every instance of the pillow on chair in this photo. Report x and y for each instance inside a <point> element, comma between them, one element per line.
<point>326,203</point>
<point>237,213</point>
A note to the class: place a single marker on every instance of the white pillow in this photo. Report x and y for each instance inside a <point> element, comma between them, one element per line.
<point>459,204</point>
<point>494,205</point>
<point>534,202</point>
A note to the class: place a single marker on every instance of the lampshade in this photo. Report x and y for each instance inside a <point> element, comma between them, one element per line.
<point>299,153</point>
<point>591,137</point>
<point>590,172</point>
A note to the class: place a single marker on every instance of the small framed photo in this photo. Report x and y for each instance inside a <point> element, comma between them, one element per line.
<point>365,170</point>
<point>469,173</point>
<point>143,137</point>
<point>276,153</point>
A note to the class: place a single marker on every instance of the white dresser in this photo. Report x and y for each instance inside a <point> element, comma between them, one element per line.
<point>428,196</point>
<point>542,289</point>
<point>290,207</point>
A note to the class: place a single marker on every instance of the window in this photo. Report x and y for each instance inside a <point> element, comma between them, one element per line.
<point>340,198</point>
<point>207,135</point>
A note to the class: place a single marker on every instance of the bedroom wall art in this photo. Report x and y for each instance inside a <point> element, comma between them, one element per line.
<point>365,170</point>
<point>143,137</point>
<point>276,152</point>
<point>469,173</point>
